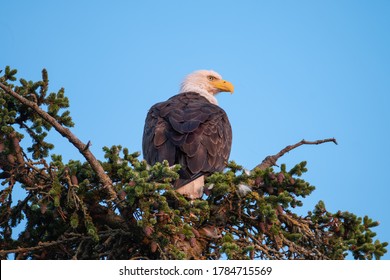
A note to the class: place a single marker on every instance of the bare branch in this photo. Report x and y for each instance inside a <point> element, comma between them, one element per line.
<point>65,132</point>
<point>271,160</point>
<point>40,246</point>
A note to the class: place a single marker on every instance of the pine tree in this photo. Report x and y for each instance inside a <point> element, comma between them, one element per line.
<point>121,208</point>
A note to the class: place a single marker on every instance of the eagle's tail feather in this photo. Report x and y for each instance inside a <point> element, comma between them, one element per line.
<point>193,189</point>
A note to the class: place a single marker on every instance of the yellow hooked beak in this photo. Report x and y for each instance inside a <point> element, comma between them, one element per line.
<point>223,86</point>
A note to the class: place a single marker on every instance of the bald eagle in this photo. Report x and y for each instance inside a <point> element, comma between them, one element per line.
<point>190,129</point>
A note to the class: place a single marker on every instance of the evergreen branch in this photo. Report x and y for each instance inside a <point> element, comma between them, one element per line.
<point>271,160</point>
<point>17,149</point>
<point>65,132</point>
<point>67,219</point>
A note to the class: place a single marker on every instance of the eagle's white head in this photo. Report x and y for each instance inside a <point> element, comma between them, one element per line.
<point>207,83</point>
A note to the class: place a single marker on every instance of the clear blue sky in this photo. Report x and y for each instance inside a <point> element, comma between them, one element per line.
<point>301,69</point>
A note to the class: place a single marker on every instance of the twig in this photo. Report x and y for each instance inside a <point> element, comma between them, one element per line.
<point>40,245</point>
<point>271,160</point>
<point>68,238</point>
<point>65,132</point>
<point>79,248</point>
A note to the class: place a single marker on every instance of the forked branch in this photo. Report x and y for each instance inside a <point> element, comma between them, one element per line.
<point>271,160</point>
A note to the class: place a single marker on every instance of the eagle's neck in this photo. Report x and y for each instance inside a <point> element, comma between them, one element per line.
<point>203,92</point>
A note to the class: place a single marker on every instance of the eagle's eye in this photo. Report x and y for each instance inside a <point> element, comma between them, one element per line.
<point>211,78</point>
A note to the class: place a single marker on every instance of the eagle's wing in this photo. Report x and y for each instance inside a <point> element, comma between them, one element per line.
<point>190,131</point>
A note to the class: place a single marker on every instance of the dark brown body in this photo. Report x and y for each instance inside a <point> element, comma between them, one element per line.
<point>188,130</point>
